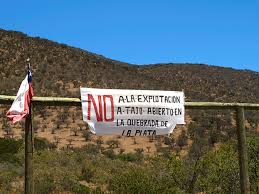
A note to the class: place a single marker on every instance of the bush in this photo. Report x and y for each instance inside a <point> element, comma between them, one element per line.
<point>141,180</point>
<point>130,157</point>
<point>198,148</point>
<point>87,135</point>
<point>45,184</point>
<point>91,149</point>
<point>55,171</point>
<point>113,143</point>
<point>81,189</point>
<point>213,137</point>
<point>8,149</point>
<point>109,154</point>
<point>134,180</point>
<point>165,151</point>
<point>87,172</point>
<point>8,174</point>
<point>99,141</point>
<point>178,172</point>
<point>182,139</point>
<point>42,143</point>
<point>219,171</point>
<point>168,140</point>
<point>253,162</point>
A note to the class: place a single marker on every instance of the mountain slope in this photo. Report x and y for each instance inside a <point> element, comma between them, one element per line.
<point>59,70</point>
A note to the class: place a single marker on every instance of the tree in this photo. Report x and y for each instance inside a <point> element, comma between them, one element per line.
<point>134,140</point>
<point>35,126</point>
<point>87,135</point>
<point>69,145</point>
<point>151,138</point>
<point>121,151</point>
<point>213,137</point>
<point>62,116</point>
<point>57,140</point>
<point>182,139</point>
<point>139,150</point>
<point>8,132</point>
<point>81,126</point>
<point>75,131</point>
<point>191,129</point>
<point>198,148</point>
<point>99,141</point>
<point>169,141</point>
<point>4,124</point>
<point>53,131</point>
<point>43,128</point>
<point>113,143</point>
<point>219,171</point>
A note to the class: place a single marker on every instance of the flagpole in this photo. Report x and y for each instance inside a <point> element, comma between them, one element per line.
<point>29,136</point>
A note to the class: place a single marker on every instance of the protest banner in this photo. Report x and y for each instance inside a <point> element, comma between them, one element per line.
<point>132,112</point>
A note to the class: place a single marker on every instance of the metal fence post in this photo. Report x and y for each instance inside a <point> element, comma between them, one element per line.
<point>242,151</point>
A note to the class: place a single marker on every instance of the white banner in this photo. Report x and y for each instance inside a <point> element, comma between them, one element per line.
<point>132,112</point>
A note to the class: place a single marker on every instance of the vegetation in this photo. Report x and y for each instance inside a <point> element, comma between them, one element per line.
<point>202,159</point>
<point>89,170</point>
<point>66,68</point>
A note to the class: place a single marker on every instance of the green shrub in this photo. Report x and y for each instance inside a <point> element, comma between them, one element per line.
<point>199,147</point>
<point>129,157</point>
<point>42,143</point>
<point>55,171</point>
<point>253,162</point>
<point>8,173</point>
<point>137,180</point>
<point>113,143</point>
<point>81,189</point>
<point>99,141</point>
<point>182,139</point>
<point>168,140</point>
<point>87,135</point>
<point>133,180</point>
<point>91,149</point>
<point>8,149</point>
<point>49,179</point>
<point>178,172</point>
<point>164,151</point>
<point>87,172</point>
<point>45,184</point>
<point>109,154</point>
<point>219,171</point>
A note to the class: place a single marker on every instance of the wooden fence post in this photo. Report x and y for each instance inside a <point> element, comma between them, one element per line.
<point>29,183</point>
<point>242,151</point>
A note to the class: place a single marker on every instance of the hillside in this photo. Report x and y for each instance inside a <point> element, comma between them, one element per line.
<point>59,70</point>
<point>199,157</point>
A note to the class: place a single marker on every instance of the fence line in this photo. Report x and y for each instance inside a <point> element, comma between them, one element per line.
<point>239,108</point>
<point>61,101</point>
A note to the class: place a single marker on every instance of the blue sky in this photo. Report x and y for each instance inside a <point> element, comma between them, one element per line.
<point>216,32</point>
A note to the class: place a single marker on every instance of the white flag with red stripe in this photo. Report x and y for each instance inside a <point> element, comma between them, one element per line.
<point>21,105</point>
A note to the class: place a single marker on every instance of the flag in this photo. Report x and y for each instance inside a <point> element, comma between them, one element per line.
<point>21,105</point>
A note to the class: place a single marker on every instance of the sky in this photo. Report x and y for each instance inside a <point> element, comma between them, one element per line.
<point>216,32</point>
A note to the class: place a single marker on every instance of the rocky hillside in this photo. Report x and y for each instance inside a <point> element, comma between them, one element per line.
<point>59,70</point>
